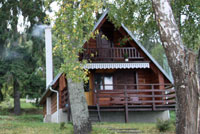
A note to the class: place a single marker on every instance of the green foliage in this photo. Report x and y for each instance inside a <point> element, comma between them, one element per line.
<point>74,24</point>
<point>187,15</point>
<point>158,53</point>
<point>139,17</point>
<point>173,117</point>
<point>163,125</point>
<point>35,86</point>
<point>62,125</point>
<point>21,54</point>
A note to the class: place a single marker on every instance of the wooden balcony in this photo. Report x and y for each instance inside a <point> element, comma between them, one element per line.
<point>138,97</point>
<point>111,54</point>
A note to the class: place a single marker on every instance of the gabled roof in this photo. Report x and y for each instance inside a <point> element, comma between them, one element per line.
<point>100,19</point>
<point>138,43</point>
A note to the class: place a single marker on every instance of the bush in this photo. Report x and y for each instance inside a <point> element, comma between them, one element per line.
<point>163,125</point>
<point>62,125</point>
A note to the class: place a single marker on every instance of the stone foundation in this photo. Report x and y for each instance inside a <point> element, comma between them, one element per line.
<point>142,117</point>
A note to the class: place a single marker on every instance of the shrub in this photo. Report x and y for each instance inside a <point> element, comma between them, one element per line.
<point>62,125</point>
<point>163,125</point>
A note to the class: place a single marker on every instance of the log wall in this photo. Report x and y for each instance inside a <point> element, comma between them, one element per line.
<point>53,103</point>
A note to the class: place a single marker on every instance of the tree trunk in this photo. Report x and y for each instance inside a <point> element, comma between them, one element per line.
<point>17,108</point>
<point>199,83</point>
<point>183,66</point>
<point>1,94</point>
<point>79,108</point>
<point>199,64</point>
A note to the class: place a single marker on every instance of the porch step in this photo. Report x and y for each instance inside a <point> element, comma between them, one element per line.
<point>94,118</point>
<point>126,131</point>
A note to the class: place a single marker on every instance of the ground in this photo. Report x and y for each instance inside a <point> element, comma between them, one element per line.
<point>31,122</point>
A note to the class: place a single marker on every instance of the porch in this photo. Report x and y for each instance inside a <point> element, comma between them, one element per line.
<point>139,97</point>
<point>133,98</point>
<point>128,98</point>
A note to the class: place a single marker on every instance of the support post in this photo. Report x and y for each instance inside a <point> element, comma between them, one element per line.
<point>126,104</point>
<point>153,98</point>
<point>161,85</point>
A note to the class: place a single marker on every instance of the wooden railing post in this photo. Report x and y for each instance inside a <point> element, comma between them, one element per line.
<point>113,53</point>
<point>95,95</point>
<point>153,98</point>
<point>126,104</point>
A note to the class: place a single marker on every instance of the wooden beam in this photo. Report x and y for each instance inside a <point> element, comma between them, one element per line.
<point>126,104</point>
<point>161,82</point>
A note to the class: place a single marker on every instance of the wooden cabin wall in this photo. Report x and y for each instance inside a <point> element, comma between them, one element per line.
<point>91,43</point>
<point>121,76</point>
<point>53,103</point>
<point>44,109</point>
<point>89,95</point>
<point>115,35</point>
<point>61,88</point>
<point>144,77</point>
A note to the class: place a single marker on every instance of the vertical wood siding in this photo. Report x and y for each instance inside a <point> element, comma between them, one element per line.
<point>53,103</point>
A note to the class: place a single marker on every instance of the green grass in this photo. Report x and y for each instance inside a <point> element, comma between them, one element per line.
<point>31,122</point>
<point>172,116</point>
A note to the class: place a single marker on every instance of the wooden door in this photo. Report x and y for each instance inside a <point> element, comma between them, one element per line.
<point>103,46</point>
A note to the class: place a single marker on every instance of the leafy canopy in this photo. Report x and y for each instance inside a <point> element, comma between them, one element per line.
<point>74,24</point>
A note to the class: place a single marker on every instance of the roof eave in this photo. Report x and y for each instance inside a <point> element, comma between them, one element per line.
<point>48,88</point>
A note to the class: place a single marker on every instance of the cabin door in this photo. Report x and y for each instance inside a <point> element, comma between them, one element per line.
<point>125,79</point>
<point>103,45</point>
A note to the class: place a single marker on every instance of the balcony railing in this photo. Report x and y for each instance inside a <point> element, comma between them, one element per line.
<point>156,96</point>
<point>111,54</point>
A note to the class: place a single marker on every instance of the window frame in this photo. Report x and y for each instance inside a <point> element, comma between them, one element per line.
<point>102,78</point>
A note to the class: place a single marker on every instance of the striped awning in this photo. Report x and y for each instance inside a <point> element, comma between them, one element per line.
<point>116,65</point>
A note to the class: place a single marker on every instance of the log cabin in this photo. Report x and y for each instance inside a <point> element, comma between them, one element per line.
<point>125,83</point>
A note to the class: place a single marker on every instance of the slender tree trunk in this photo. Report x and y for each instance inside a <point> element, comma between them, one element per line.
<point>79,108</point>
<point>1,94</point>
<point>17,108</point>
<point>199,64</point>
<point>183,66</point>
<point>199,83</point>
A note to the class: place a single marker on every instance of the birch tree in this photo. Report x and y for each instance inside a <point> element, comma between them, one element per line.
<point>183,65</point>
<point>74,24</point>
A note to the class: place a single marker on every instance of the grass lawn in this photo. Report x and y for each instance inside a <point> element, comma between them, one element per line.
<point>30,122</point>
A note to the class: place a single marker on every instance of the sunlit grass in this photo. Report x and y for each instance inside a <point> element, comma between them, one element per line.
<point>21,125</point>
<point>31,122</point>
